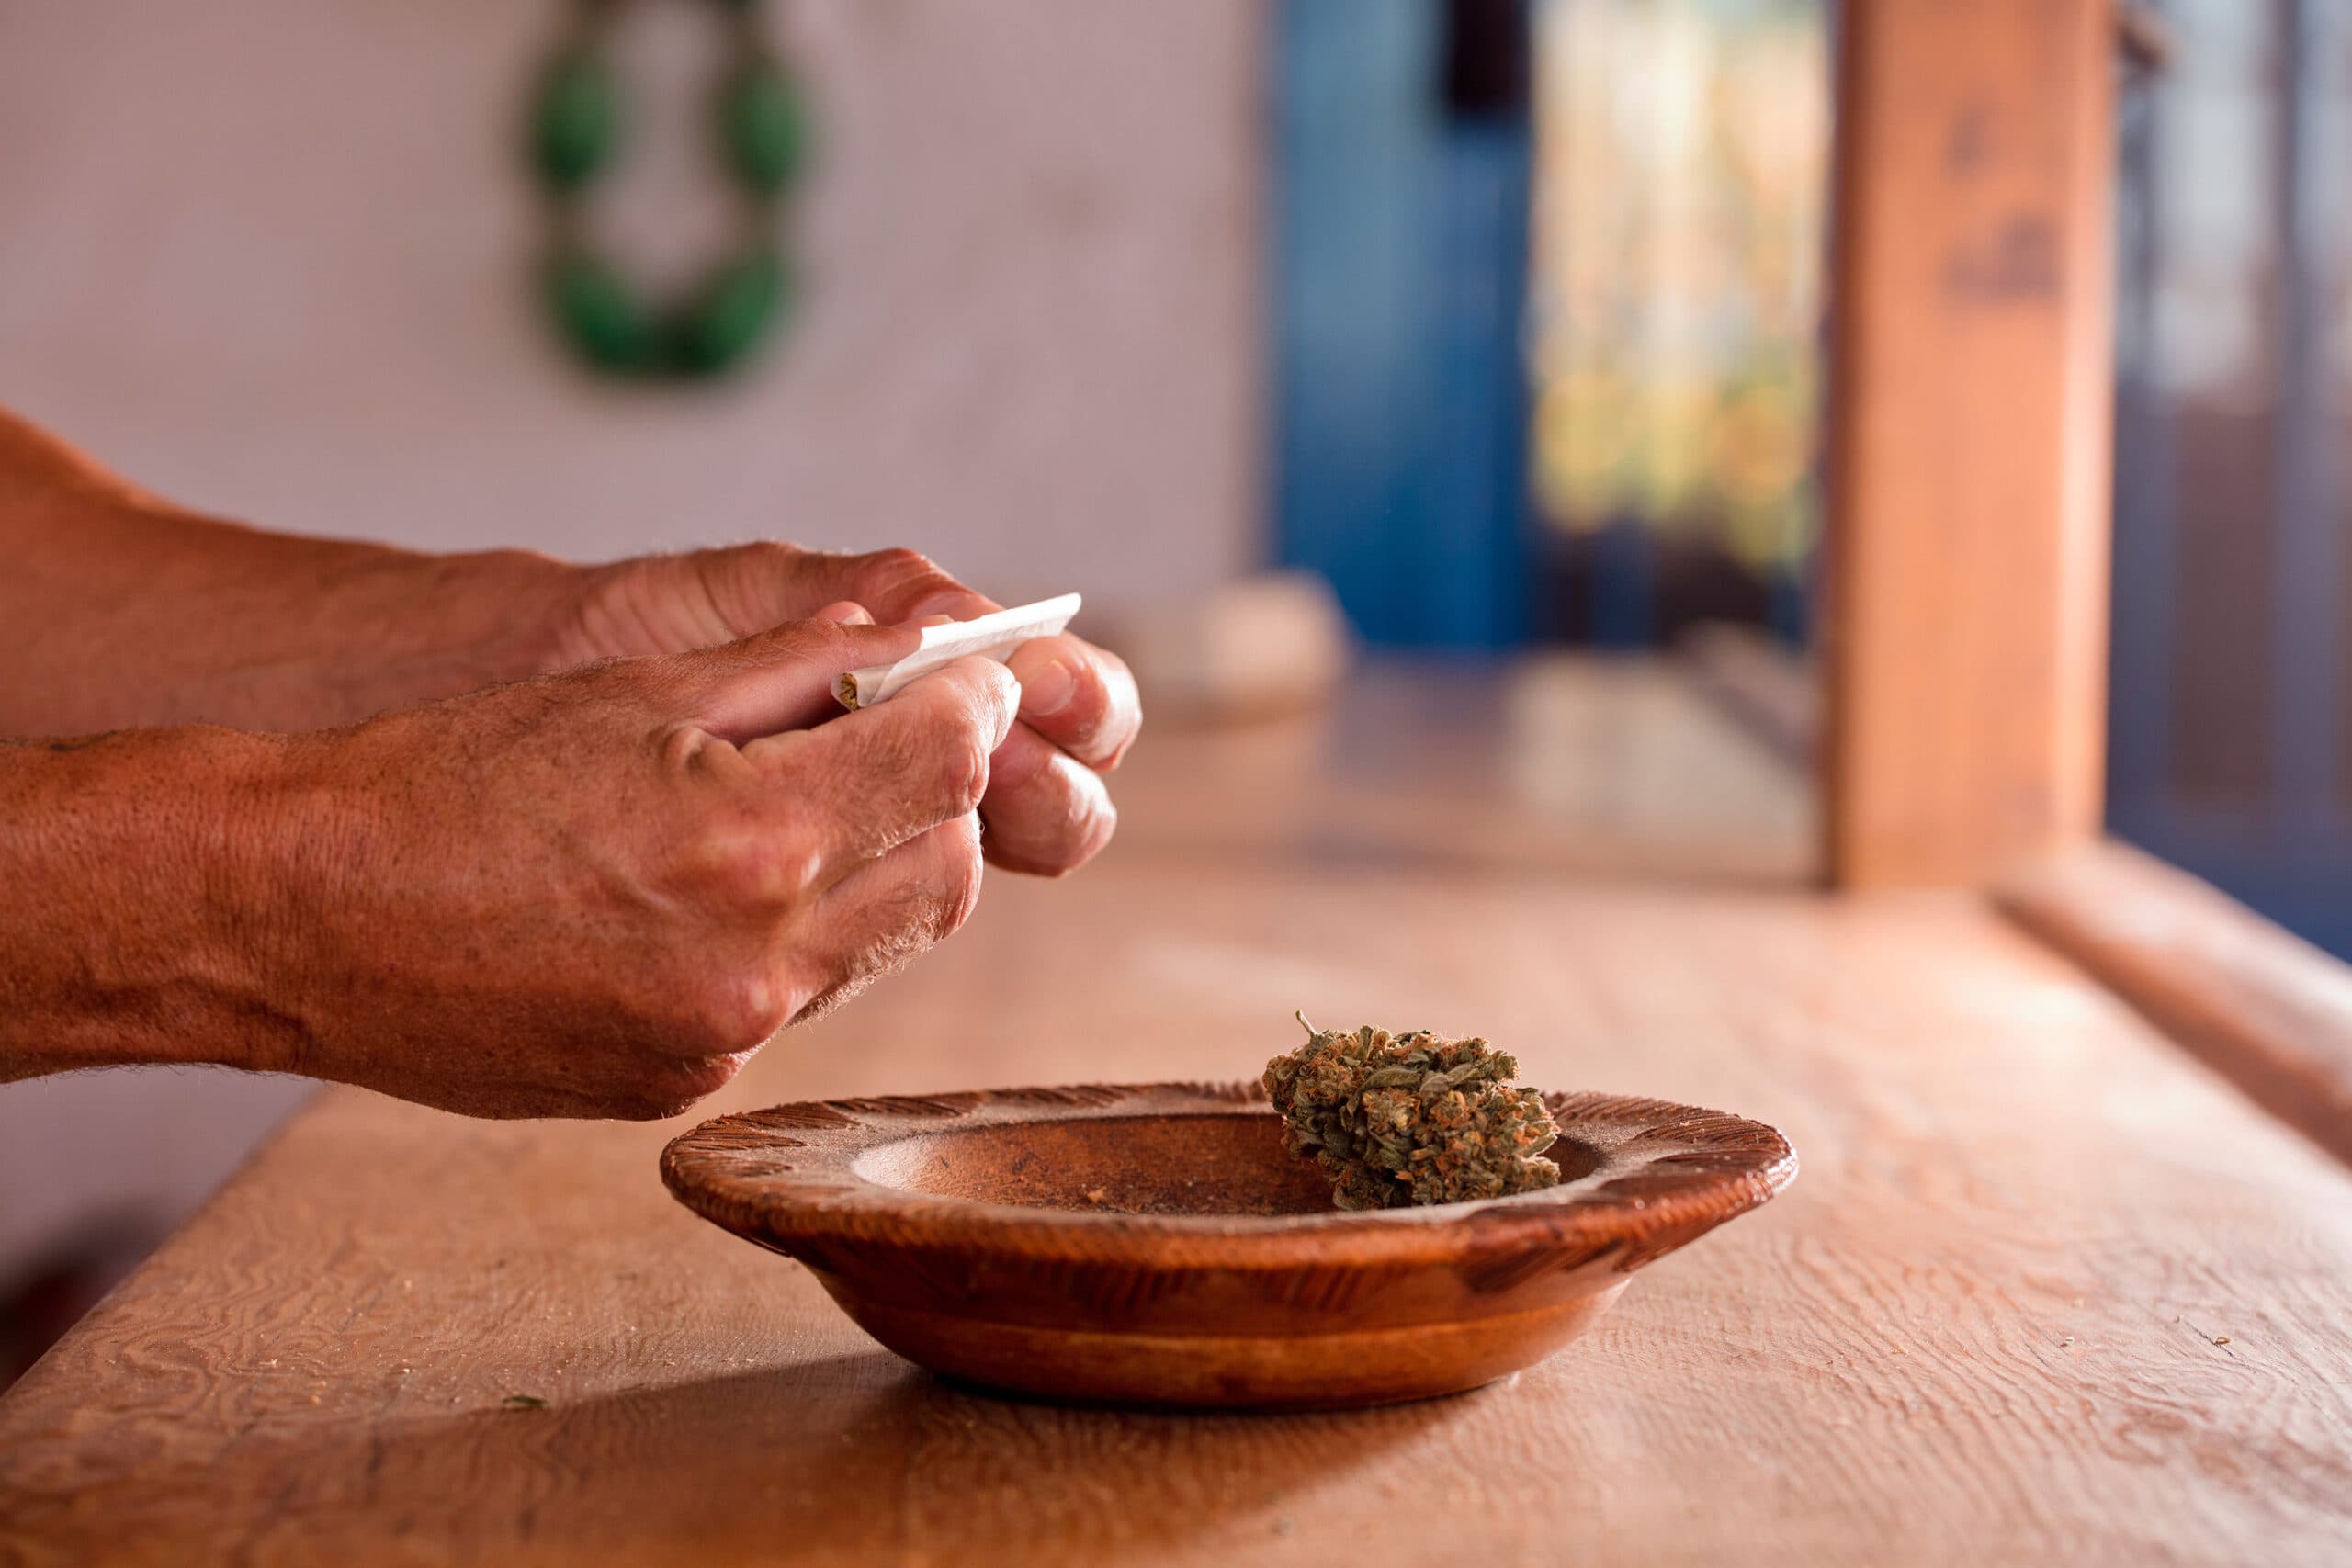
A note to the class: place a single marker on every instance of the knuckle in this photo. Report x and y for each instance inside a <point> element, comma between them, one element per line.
<point>773,870</point>
<point>1002,688</point>
<point>746,575</point>
<point>733,1014</point>
<point>897,559</point>
<point>683,749</point>
<point>739,857</point>
<point>965,776</point>
<point>896,579</point>
<point>732,566</point>
<point>811,639</point>
<point>897,567</point>
<point>766,554</point>
<point>962,772</point>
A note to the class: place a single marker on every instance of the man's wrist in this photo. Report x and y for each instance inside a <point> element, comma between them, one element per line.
<point>135,883</point>
<point>414,629</point>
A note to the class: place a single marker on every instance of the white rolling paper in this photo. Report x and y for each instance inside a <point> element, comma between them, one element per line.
<point>991,636</point>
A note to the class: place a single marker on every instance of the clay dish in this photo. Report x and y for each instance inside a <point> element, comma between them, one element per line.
<point>1156,1245</point>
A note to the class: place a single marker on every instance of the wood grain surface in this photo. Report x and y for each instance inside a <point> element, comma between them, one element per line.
<point>2046,1292</point>
<point>2264,1008</point>
<point>1599,769</point>
<point>1966,629</point>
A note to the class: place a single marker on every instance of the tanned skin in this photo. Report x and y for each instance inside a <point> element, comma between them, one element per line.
<point>494,832</point>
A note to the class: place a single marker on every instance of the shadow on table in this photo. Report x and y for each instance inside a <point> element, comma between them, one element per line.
<point>845,1457</point>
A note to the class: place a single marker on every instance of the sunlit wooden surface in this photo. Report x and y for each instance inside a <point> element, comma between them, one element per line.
<point>2045,1290</point>
<point>2266,1010</point>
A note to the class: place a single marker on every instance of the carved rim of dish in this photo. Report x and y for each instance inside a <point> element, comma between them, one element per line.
<point>1664,1173</point>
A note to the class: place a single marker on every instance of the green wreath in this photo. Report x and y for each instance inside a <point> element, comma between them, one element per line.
<point>760,131</point>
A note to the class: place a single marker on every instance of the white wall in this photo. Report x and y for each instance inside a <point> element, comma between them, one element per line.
<point>267,256</point>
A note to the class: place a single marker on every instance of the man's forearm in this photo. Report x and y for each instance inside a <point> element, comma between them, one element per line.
<point>126,611</point>
<point>137,890</point>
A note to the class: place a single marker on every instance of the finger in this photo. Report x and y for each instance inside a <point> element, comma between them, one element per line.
<point>872,780</point>
<point>902,584</point>
<point>707,597</point>
<point>880,916</point>
<point>1047,813</point>
<point>1080,697</point>
<point>897,585</point>
<point>784,679</point>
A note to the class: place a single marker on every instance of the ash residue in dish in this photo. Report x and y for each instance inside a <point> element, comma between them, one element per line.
<point>1402,1118</point>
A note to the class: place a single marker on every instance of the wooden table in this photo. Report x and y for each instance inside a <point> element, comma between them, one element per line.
<point>2046,1291</point>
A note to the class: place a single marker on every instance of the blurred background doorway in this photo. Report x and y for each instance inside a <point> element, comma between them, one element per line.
<point>1546,294</point>
<point>1546,302</point>
<point>2228,747</point>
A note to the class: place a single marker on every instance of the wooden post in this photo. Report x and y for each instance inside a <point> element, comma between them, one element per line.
<point>1966,574</point>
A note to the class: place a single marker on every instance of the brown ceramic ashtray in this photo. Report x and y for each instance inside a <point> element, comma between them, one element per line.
<point>1156,1245</point>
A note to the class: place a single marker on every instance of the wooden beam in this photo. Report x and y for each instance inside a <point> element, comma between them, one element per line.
<point>1966,565</point>
<point>2262,1007</point>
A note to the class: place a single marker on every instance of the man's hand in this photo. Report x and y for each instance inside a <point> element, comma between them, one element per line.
<point>127,611</point>
<point>1047,809</point>
<point>591,891</point>
<point>594,894</point>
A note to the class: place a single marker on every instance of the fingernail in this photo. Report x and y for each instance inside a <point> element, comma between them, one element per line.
<point>1048,692</point>
<point>846,614</point>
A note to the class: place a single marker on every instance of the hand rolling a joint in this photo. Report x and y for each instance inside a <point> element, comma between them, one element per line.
<point>679,843</point>
<point>1046,810</point>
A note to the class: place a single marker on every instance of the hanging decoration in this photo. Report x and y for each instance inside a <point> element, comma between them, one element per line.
<point>760,133</point>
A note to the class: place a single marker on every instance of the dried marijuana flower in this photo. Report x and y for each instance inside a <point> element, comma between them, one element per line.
<point>1402,1118</point>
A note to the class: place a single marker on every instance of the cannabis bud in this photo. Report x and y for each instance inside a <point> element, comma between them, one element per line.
<point>1405,1119</point>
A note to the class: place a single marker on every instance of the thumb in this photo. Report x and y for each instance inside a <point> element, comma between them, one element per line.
<point>783,678</point>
